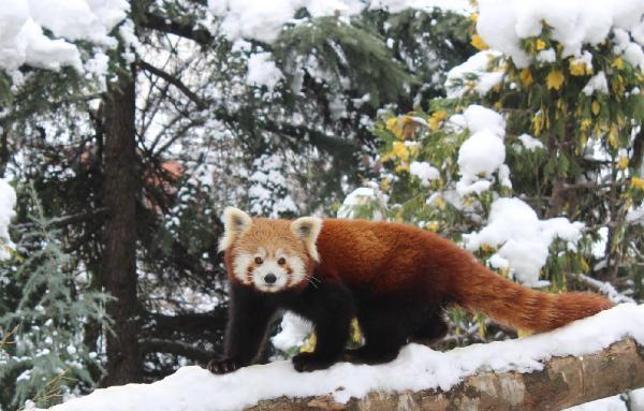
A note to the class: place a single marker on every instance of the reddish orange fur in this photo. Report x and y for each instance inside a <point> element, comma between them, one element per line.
<point>388,258</point>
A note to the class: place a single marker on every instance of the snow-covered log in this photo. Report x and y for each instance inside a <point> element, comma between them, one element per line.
<point>588,359</point>
<point>564,382</point>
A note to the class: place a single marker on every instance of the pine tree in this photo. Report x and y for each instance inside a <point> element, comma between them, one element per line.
<point>44,307</point>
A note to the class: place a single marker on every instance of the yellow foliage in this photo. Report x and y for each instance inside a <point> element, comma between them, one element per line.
<point>526,77</point>
<point>402,127</point>
<point>402,167</point>
<point>555,79</point>
<point>356,332</point>
<point>537,123</point>
<point>394,125</point>
<point>398,151</point>
<point>309,343</point>
<point>478,42</point>
<point>385,185</point>
<point>436,119</point>
<point>432,226</point>
<point>486,248</point>
<point>579,68</point>
<point>613,136</point>
<point>539,44</point>
<point>585,124</point>
<point>474,17</point>
<point>439,202</point>
<point>637,183</point>
<point>595,107</point>
<point>622,163</point>
<point>618,63</point>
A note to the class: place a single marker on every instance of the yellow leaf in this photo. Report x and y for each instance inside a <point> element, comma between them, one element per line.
<point>526,77</point>
<point>474,17</point>
<point>638,183</point>
<point>577,67</point>
<point>402,167</point>
<point>385,185</point>
<point>478,42</point>
<point>622,163</point>
<point>539,44</point>
<point>618,63</point>
<point>613,135</point>
<point>399,150</point>
<point>436,119</point>
<point>309,343</point>
<point>393,124</point>
<point>537,123</point>
<point>486,248</point>
<point>585,124</point>
<point>356,332</point>
<point>439,202</point>
<point>595,107</point>
<point>555,79</point>
<point>432,226</point>
<point>524,333</point>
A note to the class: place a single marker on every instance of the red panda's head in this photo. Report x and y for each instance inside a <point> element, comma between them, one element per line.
<point>270,255</point>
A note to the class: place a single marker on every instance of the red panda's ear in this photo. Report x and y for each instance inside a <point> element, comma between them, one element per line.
<point>308,229</point>
<point>235,223</point>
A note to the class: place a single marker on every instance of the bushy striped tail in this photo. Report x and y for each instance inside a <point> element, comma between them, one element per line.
<point>522,308</point>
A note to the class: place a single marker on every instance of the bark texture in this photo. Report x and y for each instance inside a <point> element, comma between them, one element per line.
<point>119,258</point>
<point>564,382</point>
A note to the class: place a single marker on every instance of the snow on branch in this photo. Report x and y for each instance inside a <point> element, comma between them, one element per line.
<point>563,367</point>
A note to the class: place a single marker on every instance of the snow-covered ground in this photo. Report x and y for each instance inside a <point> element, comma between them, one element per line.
<point>417,367</point>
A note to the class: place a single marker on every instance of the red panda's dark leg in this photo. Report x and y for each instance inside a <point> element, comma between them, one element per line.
<point>387,325</point>
<point>249,316</point>
<point>432,329</point>
<point>330,308</point>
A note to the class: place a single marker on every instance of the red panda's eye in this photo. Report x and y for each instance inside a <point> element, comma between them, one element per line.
<point>281,261</point>
<point>258,260</point>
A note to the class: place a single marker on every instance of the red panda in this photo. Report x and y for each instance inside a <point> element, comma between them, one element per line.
<point>396,279</point>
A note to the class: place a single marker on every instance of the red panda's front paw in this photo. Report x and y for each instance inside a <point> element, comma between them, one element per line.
<point>306,362</point>
<point>223,365</point>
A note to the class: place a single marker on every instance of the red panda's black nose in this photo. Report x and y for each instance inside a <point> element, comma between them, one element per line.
<point>270,278</point>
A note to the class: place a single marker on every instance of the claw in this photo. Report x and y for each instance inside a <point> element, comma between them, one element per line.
<point>222,366</point>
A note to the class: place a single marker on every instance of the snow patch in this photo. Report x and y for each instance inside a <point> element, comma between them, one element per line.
<point>502,24</point>
<point>262,71</point>
<point>368,198</point>
<point>529,142</point>
<point>424,171</point>
<point>473,75</point>
<point>264,20</point>
<point>522,238</point>
<point>7,203</point>
<point>294,330</point>
<point>417,367</point>
<point>22,40</point>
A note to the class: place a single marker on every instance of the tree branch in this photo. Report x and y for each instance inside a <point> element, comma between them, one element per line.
<point>155,22</point>
<point>201,104</point>
<point>175,347</point>
<point>564,382</point>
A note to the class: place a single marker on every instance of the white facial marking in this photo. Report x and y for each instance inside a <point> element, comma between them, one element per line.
<point>240,266</point>
<point>269,275</point>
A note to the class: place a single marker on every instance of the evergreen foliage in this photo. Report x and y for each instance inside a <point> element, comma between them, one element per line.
<point>45,305</point>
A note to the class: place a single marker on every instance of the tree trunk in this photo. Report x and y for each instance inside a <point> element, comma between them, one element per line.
<point>124,362</point>
<point>564,382</point>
